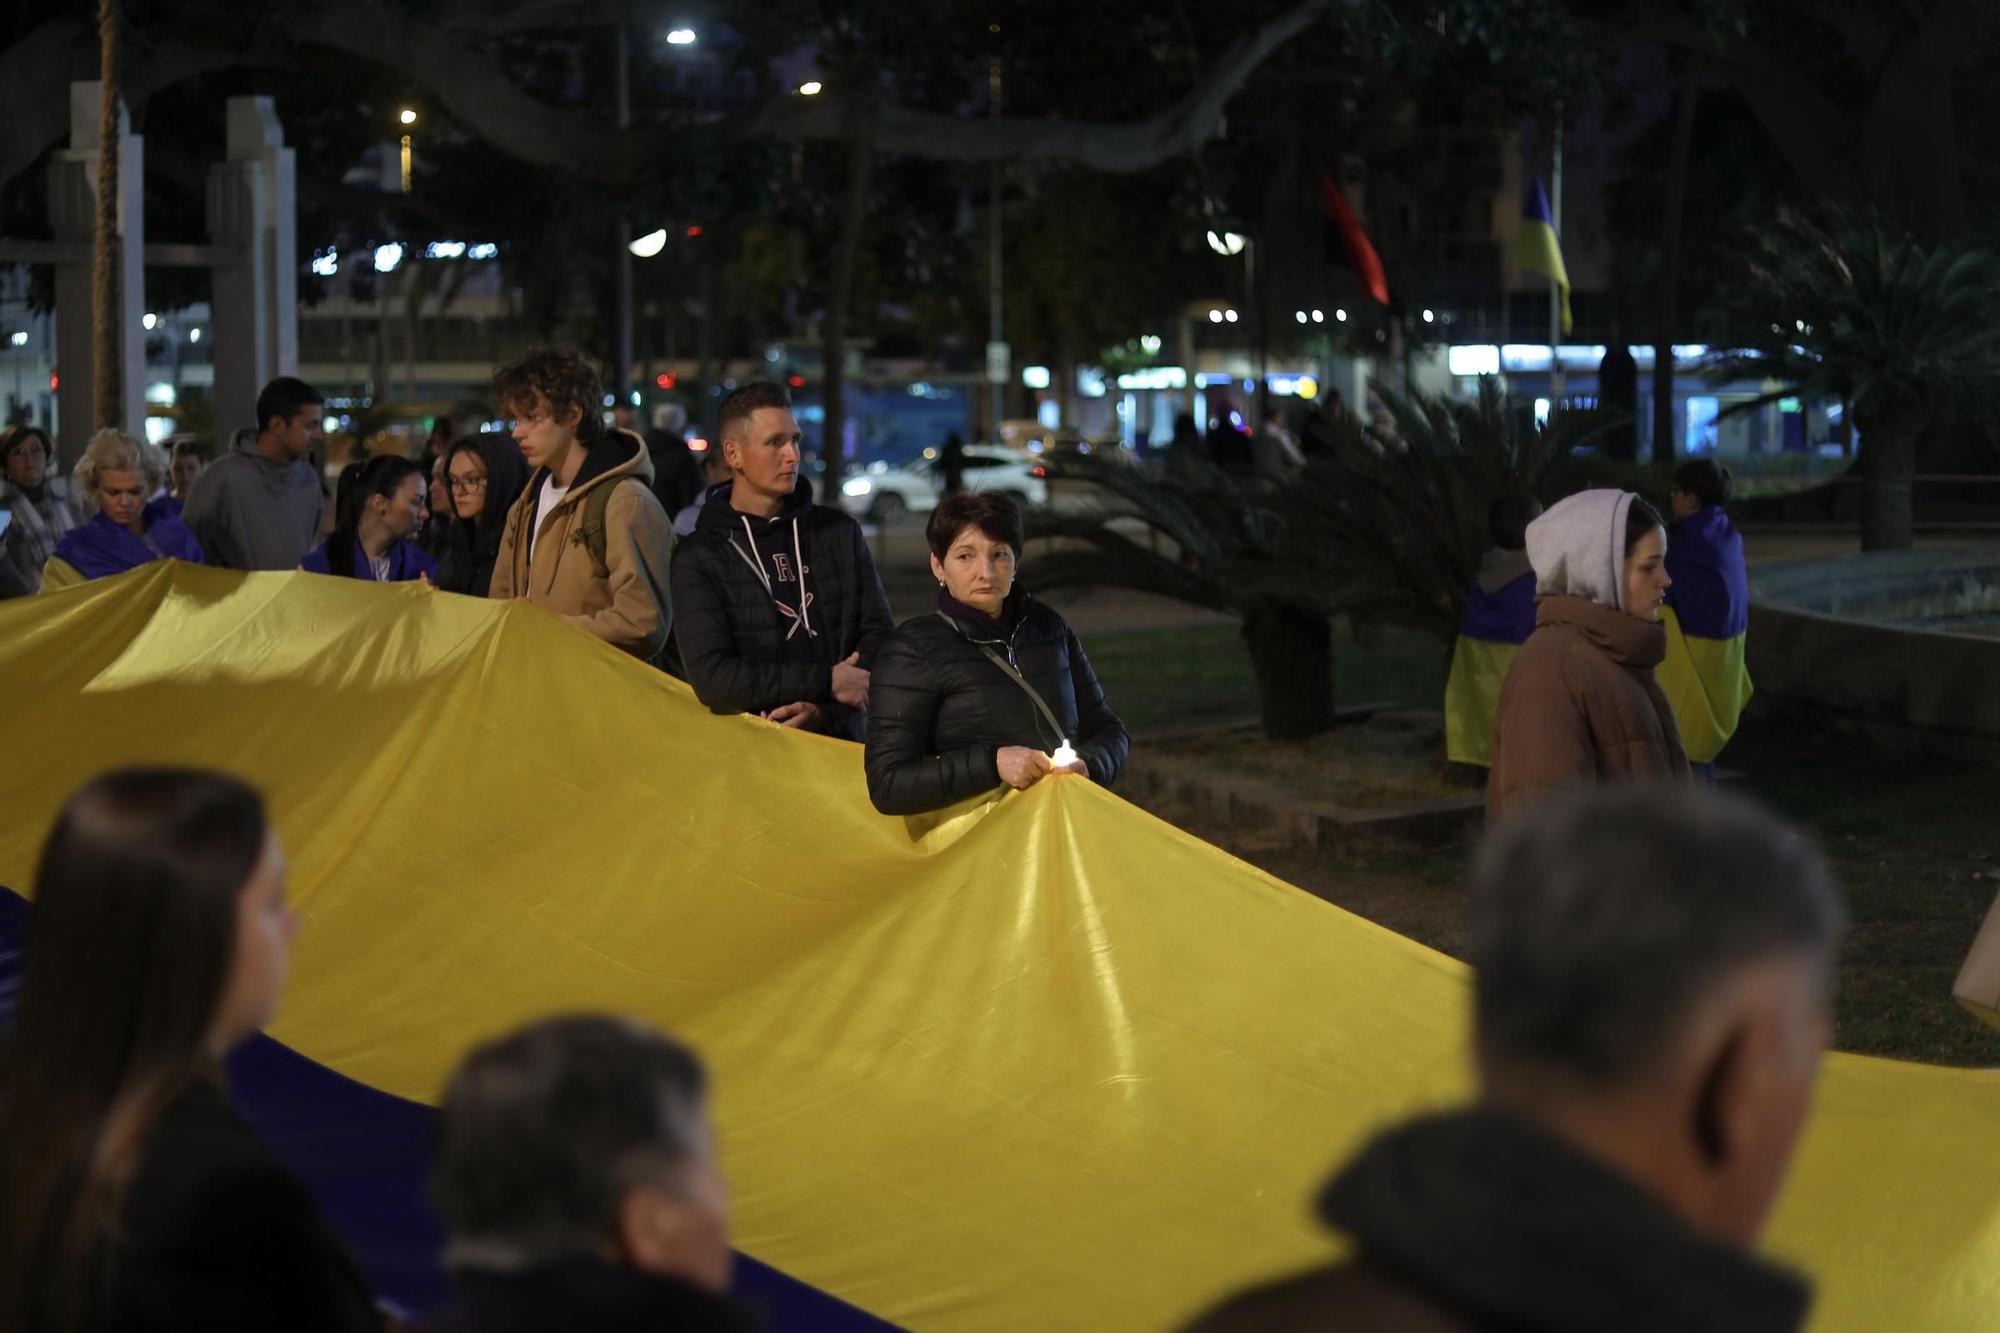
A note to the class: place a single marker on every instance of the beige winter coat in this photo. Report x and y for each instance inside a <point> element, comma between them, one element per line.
<point>629,606</point>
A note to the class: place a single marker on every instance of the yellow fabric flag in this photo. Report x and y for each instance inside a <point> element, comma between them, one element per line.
<point>1038,1061</point>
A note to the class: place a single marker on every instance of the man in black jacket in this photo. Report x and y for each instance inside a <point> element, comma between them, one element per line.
<point>1654,972</point>
<point>577,1180</point>
<point>778,606</point>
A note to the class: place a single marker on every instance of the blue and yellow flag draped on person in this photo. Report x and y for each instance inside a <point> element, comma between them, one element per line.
<point>1038,1061</point>
<point>1499,617</point>
<point>1705,675</point>
<point>1537,248</point>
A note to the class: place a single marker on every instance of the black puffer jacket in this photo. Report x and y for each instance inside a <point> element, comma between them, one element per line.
<point>940,710</point>
<point>732,637</point>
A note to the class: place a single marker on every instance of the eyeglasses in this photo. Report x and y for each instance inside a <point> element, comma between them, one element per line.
<point>467,485</point>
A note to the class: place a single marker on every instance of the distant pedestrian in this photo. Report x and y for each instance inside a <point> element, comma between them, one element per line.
<point>1580,704</point>
<point>126,529</point>
<point>378,507</point>
<point>184,464</point>
<point>486,476</point>
<point>1706,674</point>
<point>714,473</point>
<point>259,505</point>
<point>587,540</point>
<point>1653,976</point>
<point>39,508</point>
<point>951,463</point>
<point>1499,617</point>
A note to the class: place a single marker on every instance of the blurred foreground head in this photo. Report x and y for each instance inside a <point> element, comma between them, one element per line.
<point>582,1138</point>
<point>1654,976</point>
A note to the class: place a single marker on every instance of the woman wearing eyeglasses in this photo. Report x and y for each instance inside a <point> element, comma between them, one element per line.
<point>484,475</point>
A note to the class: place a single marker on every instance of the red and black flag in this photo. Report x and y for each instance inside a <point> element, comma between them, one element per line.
<point>1346,241</point>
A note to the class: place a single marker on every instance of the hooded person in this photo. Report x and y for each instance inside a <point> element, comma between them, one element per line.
<point>781,610</point>
<point>1624,1150</point>
<point>259,505</point>
<point>484,475</point>
<point>586,540</point>
<point>1707,617</point>
<point>1580,704</point>
<point>1499,617</point>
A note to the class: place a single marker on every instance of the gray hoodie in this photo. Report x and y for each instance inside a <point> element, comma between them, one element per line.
<point>1578,547</point>
<point>252,513</point>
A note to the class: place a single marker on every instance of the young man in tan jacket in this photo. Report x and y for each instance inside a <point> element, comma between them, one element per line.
<point>587,540</point>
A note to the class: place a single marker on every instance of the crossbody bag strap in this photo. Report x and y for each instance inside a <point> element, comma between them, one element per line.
<point>1018,679</point>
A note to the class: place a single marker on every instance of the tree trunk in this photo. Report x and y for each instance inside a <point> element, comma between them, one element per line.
<point>840,294</point>
<point>1291,653</point>
<point>108,360</point>
<point>1889,465</point>
<point>1666,444</point>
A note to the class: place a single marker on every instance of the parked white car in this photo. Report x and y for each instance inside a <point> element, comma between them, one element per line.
<point>883,494</point>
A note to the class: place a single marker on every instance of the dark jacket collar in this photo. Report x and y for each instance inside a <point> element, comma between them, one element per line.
<point>717,512</point>
<point>980,627</point>
<point>1509,1227</point>
<point>1625,639</point>
<point>586,1294</point>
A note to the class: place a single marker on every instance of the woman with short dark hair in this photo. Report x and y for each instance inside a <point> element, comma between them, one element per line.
<point>131,1194</point>
<point>989,688</point>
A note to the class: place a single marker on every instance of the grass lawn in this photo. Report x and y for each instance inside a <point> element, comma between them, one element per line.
<point>1911,839</point>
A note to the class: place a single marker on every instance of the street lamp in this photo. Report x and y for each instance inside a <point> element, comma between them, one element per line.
<point>1227,243</point>
<point>407,117</point>
<point>810,88</point>
<point>650,244</point>
<point>681,37</point>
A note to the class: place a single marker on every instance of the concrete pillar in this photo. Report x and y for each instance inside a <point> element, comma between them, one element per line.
<point>72,185</point>
<point>253,216</point>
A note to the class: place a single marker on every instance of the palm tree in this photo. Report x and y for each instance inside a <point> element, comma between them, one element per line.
<point>1379,525</point>
<point>1898,328</point>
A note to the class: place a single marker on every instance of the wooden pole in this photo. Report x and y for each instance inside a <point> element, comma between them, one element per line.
<point>107,359</point>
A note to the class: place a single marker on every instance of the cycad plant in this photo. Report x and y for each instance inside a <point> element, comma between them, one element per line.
<point>1381,524</point>
<point>1849,307</point>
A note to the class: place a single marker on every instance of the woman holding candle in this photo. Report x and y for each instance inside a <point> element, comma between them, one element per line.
<point>991,687</point>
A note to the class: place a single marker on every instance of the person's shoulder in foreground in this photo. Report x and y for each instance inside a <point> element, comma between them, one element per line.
<point>1623,1153</point>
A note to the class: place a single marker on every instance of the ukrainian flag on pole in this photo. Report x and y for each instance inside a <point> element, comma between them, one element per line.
<point>1536,247</point>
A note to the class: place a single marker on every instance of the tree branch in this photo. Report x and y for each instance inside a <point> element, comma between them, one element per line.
<point>1134,146</point>
<point>481,97</point>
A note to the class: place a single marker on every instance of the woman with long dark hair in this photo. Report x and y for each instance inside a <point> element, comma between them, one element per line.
<point>131,1194</point>
<point>484,475</point>
<point>378,507</point>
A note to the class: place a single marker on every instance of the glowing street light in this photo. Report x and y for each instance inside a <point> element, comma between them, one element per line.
<point>1430,316</point>
<point>650,244</point>
<point>1215,316</point>
<point>681,37</point>
<point>407,116</point>
<point>388,256</point>
<point>810,88</point>
<point>1227,242</point>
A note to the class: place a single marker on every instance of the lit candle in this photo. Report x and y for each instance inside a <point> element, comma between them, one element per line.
<point>1063,756</point>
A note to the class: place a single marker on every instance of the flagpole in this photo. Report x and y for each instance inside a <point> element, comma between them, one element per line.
<point>1555,291</point>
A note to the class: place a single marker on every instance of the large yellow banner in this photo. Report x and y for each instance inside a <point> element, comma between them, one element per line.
<point>1042,1061</point>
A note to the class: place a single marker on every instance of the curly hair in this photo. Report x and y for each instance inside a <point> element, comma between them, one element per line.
<point>111,450</point>
<point>556,377</point>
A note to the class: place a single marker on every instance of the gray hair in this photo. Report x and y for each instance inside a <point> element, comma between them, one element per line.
<point>1600,919</point>
<point>545,1130</point>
